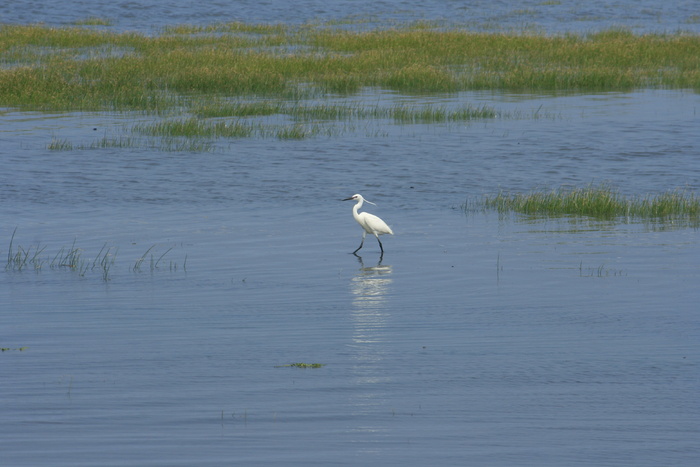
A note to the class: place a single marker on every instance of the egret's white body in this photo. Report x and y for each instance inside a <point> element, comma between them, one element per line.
<point>369,222</point>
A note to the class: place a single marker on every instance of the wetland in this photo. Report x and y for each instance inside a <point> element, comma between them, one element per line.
<point>179,287</point>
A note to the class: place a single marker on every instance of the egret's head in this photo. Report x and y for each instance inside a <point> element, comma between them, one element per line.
<point>358,197</point>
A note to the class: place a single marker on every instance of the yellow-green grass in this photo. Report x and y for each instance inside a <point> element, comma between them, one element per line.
<point>186,134</point>
<point>597,201</point>
<point>212,120</point>
<point>279,73</point>
<point>228,120</point>
<point>56,68</point>
<point>401,113</point>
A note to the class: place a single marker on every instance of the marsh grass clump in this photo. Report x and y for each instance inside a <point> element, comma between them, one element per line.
<point>597,201</point>
<point>71,258</point>
<point>438,114</point>
<point>19,258</point>
<point>218,108</point>
<point>303,365</point>
<point>194,127</point>
<point>669,204</point>
<point>153,262</point>
<point>271,119</point>
<point>104,261</point>
<point>58,144</point>
<point>140,260</point>
<point>297,131</point>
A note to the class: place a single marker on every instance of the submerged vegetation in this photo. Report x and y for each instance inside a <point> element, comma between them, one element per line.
<point>7,349</point>
<point>278,71</point>
<point>303,365</point>
<point>596,201</point>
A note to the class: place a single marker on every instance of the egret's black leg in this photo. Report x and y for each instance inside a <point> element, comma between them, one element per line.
<point>361,243</point>
<point>380,245</point>
<point>358,248</point>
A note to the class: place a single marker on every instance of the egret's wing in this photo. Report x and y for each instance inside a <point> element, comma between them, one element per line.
<point>375,225</point>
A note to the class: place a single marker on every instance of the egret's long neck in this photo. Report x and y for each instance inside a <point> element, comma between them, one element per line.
<point>356,207</point>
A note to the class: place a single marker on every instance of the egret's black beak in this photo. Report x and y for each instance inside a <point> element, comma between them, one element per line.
<point>346,199</point>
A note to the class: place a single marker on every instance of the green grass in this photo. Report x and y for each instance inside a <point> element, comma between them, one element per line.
<point>326,112</point>
<point>48,68</point>
<point>304,116</point>
<point>596,201</point>
<point>194,127</point>
<point>58,144</point>
<point>21,258</point>
<point>438,114</point>
<point>266,80</point>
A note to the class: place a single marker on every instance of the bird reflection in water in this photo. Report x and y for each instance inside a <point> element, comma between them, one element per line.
<point>370,284</point>
<point>371,291</point>
<point>370,287</point>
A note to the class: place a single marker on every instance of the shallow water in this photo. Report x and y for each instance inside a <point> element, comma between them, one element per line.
<point>542,16</point>
<point>477,339</point>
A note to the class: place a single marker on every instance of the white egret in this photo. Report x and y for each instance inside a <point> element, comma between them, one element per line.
<point>369,222</point>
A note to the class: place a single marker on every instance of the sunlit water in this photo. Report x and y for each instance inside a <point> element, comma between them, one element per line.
<point>475,340</point>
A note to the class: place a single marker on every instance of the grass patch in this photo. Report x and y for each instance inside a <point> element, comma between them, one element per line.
<point>439,114</point>
<point>58,144</point>
<point>303,365</point>
<point>329,112</point>
<point>194,127</point>
<point>597,201</point>
<point>48,68</point>
<point>241,80</point>
<point>232,120</point>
